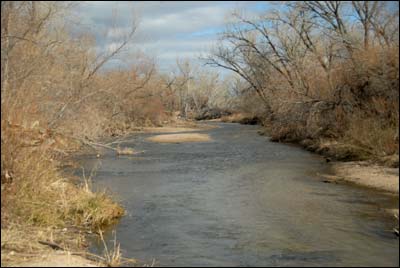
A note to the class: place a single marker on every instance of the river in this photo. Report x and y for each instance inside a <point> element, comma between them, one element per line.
<point>241,200</point>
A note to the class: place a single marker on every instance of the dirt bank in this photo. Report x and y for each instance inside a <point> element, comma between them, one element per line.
<point>353,163</point>
<point>62,259</point>
<point>367,174</point>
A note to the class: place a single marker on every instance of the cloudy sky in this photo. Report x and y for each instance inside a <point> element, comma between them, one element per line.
<point>166,30</point>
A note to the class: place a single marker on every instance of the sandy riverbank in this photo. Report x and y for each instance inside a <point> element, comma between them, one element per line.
<point>62,259</point>
<point>180,126</point>
<point>366,174</point>
<point>178,138</point>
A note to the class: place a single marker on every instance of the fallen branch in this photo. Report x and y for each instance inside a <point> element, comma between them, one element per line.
<point>95,144</point>
<point>121,141</point>
<point>52,245</point>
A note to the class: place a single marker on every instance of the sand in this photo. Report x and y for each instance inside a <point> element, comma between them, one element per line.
<point>366,174</point>
<point>58,260</point>
<point>168,129</point>
<point>178,138</point>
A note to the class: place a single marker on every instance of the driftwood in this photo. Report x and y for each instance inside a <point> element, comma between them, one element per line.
<point>119,151</point>
<point>90,143</point>
<point>52,245</point>
<point>95,144</point>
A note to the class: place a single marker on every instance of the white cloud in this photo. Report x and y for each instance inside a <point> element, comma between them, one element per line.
<point>166,30</point>
<point>113,46</point>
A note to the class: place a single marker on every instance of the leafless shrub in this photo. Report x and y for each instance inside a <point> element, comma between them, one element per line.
<point>308,54</point>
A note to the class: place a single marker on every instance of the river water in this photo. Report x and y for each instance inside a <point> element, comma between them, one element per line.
<point>241,200</point>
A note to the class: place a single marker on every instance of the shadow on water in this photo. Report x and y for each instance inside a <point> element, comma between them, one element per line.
<point>241,200</point>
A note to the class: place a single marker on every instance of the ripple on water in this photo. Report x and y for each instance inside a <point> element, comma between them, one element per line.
<point>243,201</point>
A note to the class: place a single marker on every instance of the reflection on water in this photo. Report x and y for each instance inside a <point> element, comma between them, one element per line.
<point>242,201</point>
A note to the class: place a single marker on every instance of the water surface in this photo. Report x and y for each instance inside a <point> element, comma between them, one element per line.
<point>241,200</point>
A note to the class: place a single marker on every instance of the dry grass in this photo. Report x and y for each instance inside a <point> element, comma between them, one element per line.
<point>52,89</point>
<point>61,259</point>
<point>40,196</point>
<point>373,134</point>
<point>27,252</point>
<point>234,118</point>
<point>178,138</point>
<point>39,203</point>
<point>112,257</point>
<point>20,246</point>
